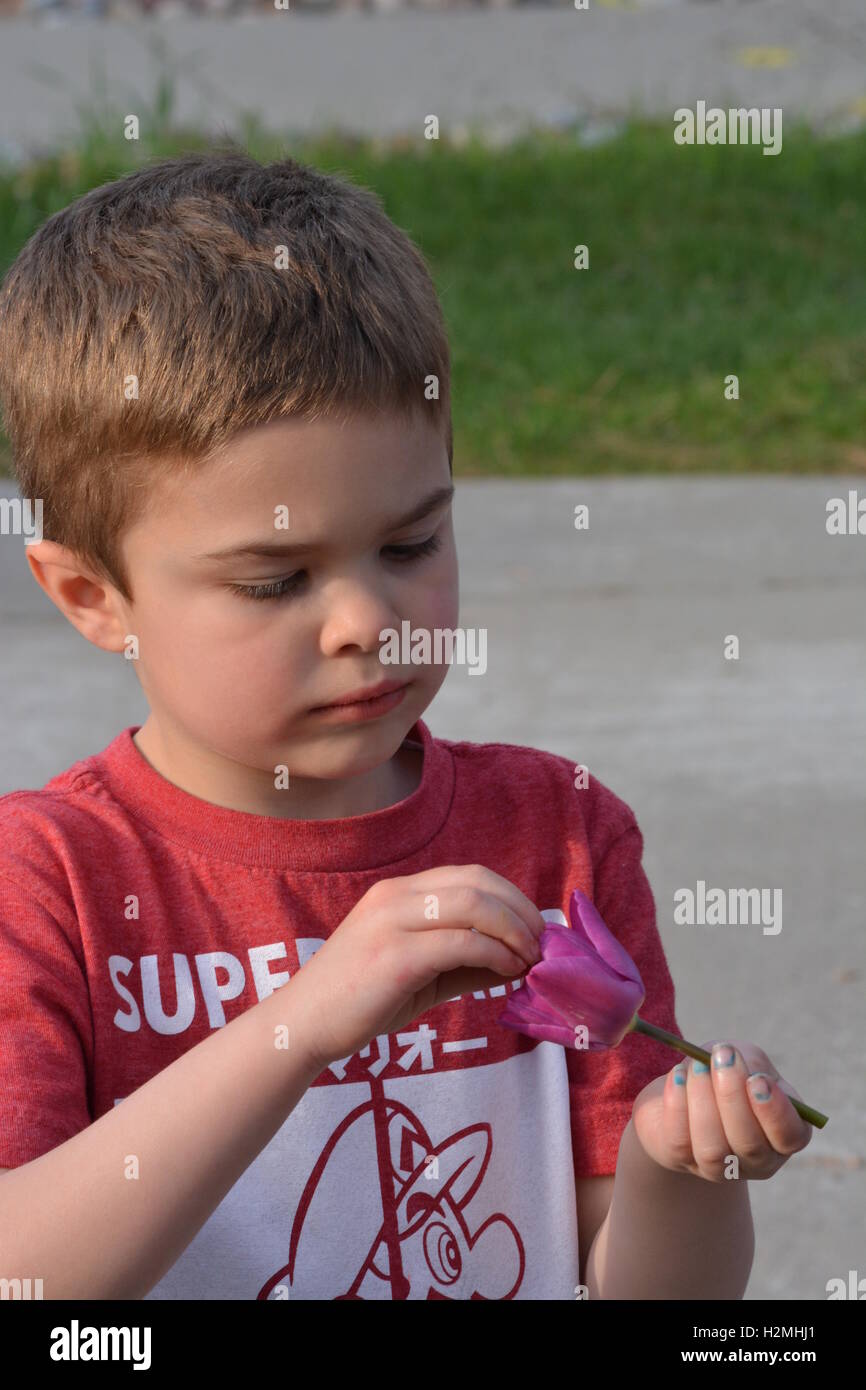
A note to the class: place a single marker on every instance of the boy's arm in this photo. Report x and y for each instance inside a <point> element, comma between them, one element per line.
<point>670,1235</point>
<point>73,1218</point>
<point>593,1202</point>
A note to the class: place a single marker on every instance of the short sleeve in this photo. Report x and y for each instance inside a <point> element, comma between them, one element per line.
<point>46,1030</point>
<point>603,1085</point>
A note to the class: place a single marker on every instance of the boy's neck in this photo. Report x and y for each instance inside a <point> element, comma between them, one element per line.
<point>209,777</point>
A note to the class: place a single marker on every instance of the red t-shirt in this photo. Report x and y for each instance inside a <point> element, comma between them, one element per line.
<point>135,918</point>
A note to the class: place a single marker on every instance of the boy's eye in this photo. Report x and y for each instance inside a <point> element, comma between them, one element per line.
<point>275,589</point>
<point>402,554</point>
<point>414,552</point>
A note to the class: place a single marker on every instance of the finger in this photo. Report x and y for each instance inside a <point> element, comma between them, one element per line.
<point>487,880</point>
<point>458,948</point>
<point>743,1133</point>
<point>709,1142</point>
<point>785,1130</point>
<point>470,909</point>
<point>786,1086</point>
<point>467,979</point>
<point>754,1057</point>
<point>676,1115</point>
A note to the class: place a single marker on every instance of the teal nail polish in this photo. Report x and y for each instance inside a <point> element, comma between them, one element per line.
<point>698,1067</point>
<point>679,1077</point>
<point>723,1057</point>
<point>756,1080</point>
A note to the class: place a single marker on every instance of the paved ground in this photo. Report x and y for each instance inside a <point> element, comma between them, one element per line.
<point>381,73</point>
<point>605,646</point>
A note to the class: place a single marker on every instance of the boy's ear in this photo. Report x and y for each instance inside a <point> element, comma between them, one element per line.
<point>91,603</point>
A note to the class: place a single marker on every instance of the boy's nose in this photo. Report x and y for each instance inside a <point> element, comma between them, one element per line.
<point>358,617</point>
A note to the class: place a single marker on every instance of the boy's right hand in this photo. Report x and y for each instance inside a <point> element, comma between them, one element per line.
<point>407,945</point>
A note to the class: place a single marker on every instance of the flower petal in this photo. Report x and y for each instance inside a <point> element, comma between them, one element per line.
<point>588,921</point>
<point>581,984</point>
<point>585,979</point>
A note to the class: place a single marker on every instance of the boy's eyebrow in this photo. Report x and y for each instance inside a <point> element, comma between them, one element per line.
<point>278,549</point>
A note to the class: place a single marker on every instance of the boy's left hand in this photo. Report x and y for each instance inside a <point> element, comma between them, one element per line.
<point>694,1128</point>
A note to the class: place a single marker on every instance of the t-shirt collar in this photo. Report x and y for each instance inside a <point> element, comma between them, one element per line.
<point>369,841</point>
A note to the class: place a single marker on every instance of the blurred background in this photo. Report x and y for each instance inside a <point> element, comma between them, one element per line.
<point>602,386</point>
<point>555,130</point>
<point>130,8</point>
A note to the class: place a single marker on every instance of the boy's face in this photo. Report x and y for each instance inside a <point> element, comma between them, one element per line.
<point>234,682</point>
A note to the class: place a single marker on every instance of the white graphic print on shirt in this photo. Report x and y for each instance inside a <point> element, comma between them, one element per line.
<point>427,1166</point>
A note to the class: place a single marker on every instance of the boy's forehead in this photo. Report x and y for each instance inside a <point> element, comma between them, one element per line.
<point>337,435</point>
<point>322,472</point>
<point>313,453</point>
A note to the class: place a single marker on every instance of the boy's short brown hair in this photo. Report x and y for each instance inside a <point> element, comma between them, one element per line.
<point>171,275</point>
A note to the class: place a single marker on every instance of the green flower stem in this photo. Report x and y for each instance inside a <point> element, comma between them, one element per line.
<point>806,1112</point>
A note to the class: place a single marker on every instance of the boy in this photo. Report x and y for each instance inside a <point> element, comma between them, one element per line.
<point>252,954</point>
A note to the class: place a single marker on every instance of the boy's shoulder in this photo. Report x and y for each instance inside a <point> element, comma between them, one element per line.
<point>44,829</point>
<point>541,786</point>
<point>59,792</point>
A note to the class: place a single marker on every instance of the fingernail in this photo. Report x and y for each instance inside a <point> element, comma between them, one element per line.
<point>699,1067</point>
<point>759,1085</point>
<point>679,1076</point>
<point>723,1055</point>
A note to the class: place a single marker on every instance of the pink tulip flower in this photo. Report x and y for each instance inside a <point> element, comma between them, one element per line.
<point>585,977</point>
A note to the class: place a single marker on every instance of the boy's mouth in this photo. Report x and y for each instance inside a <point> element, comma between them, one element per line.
<point>373,694</point>
<point>350,710</point>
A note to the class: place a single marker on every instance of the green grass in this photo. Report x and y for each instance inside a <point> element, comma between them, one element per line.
<point>704,261</point>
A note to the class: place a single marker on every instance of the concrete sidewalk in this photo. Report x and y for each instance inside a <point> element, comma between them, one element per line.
<point>380,74</point>
<point>605,646</point>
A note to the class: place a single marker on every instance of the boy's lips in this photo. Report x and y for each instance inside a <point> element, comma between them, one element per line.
<point>372,692</point>
<point>361,711</point>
